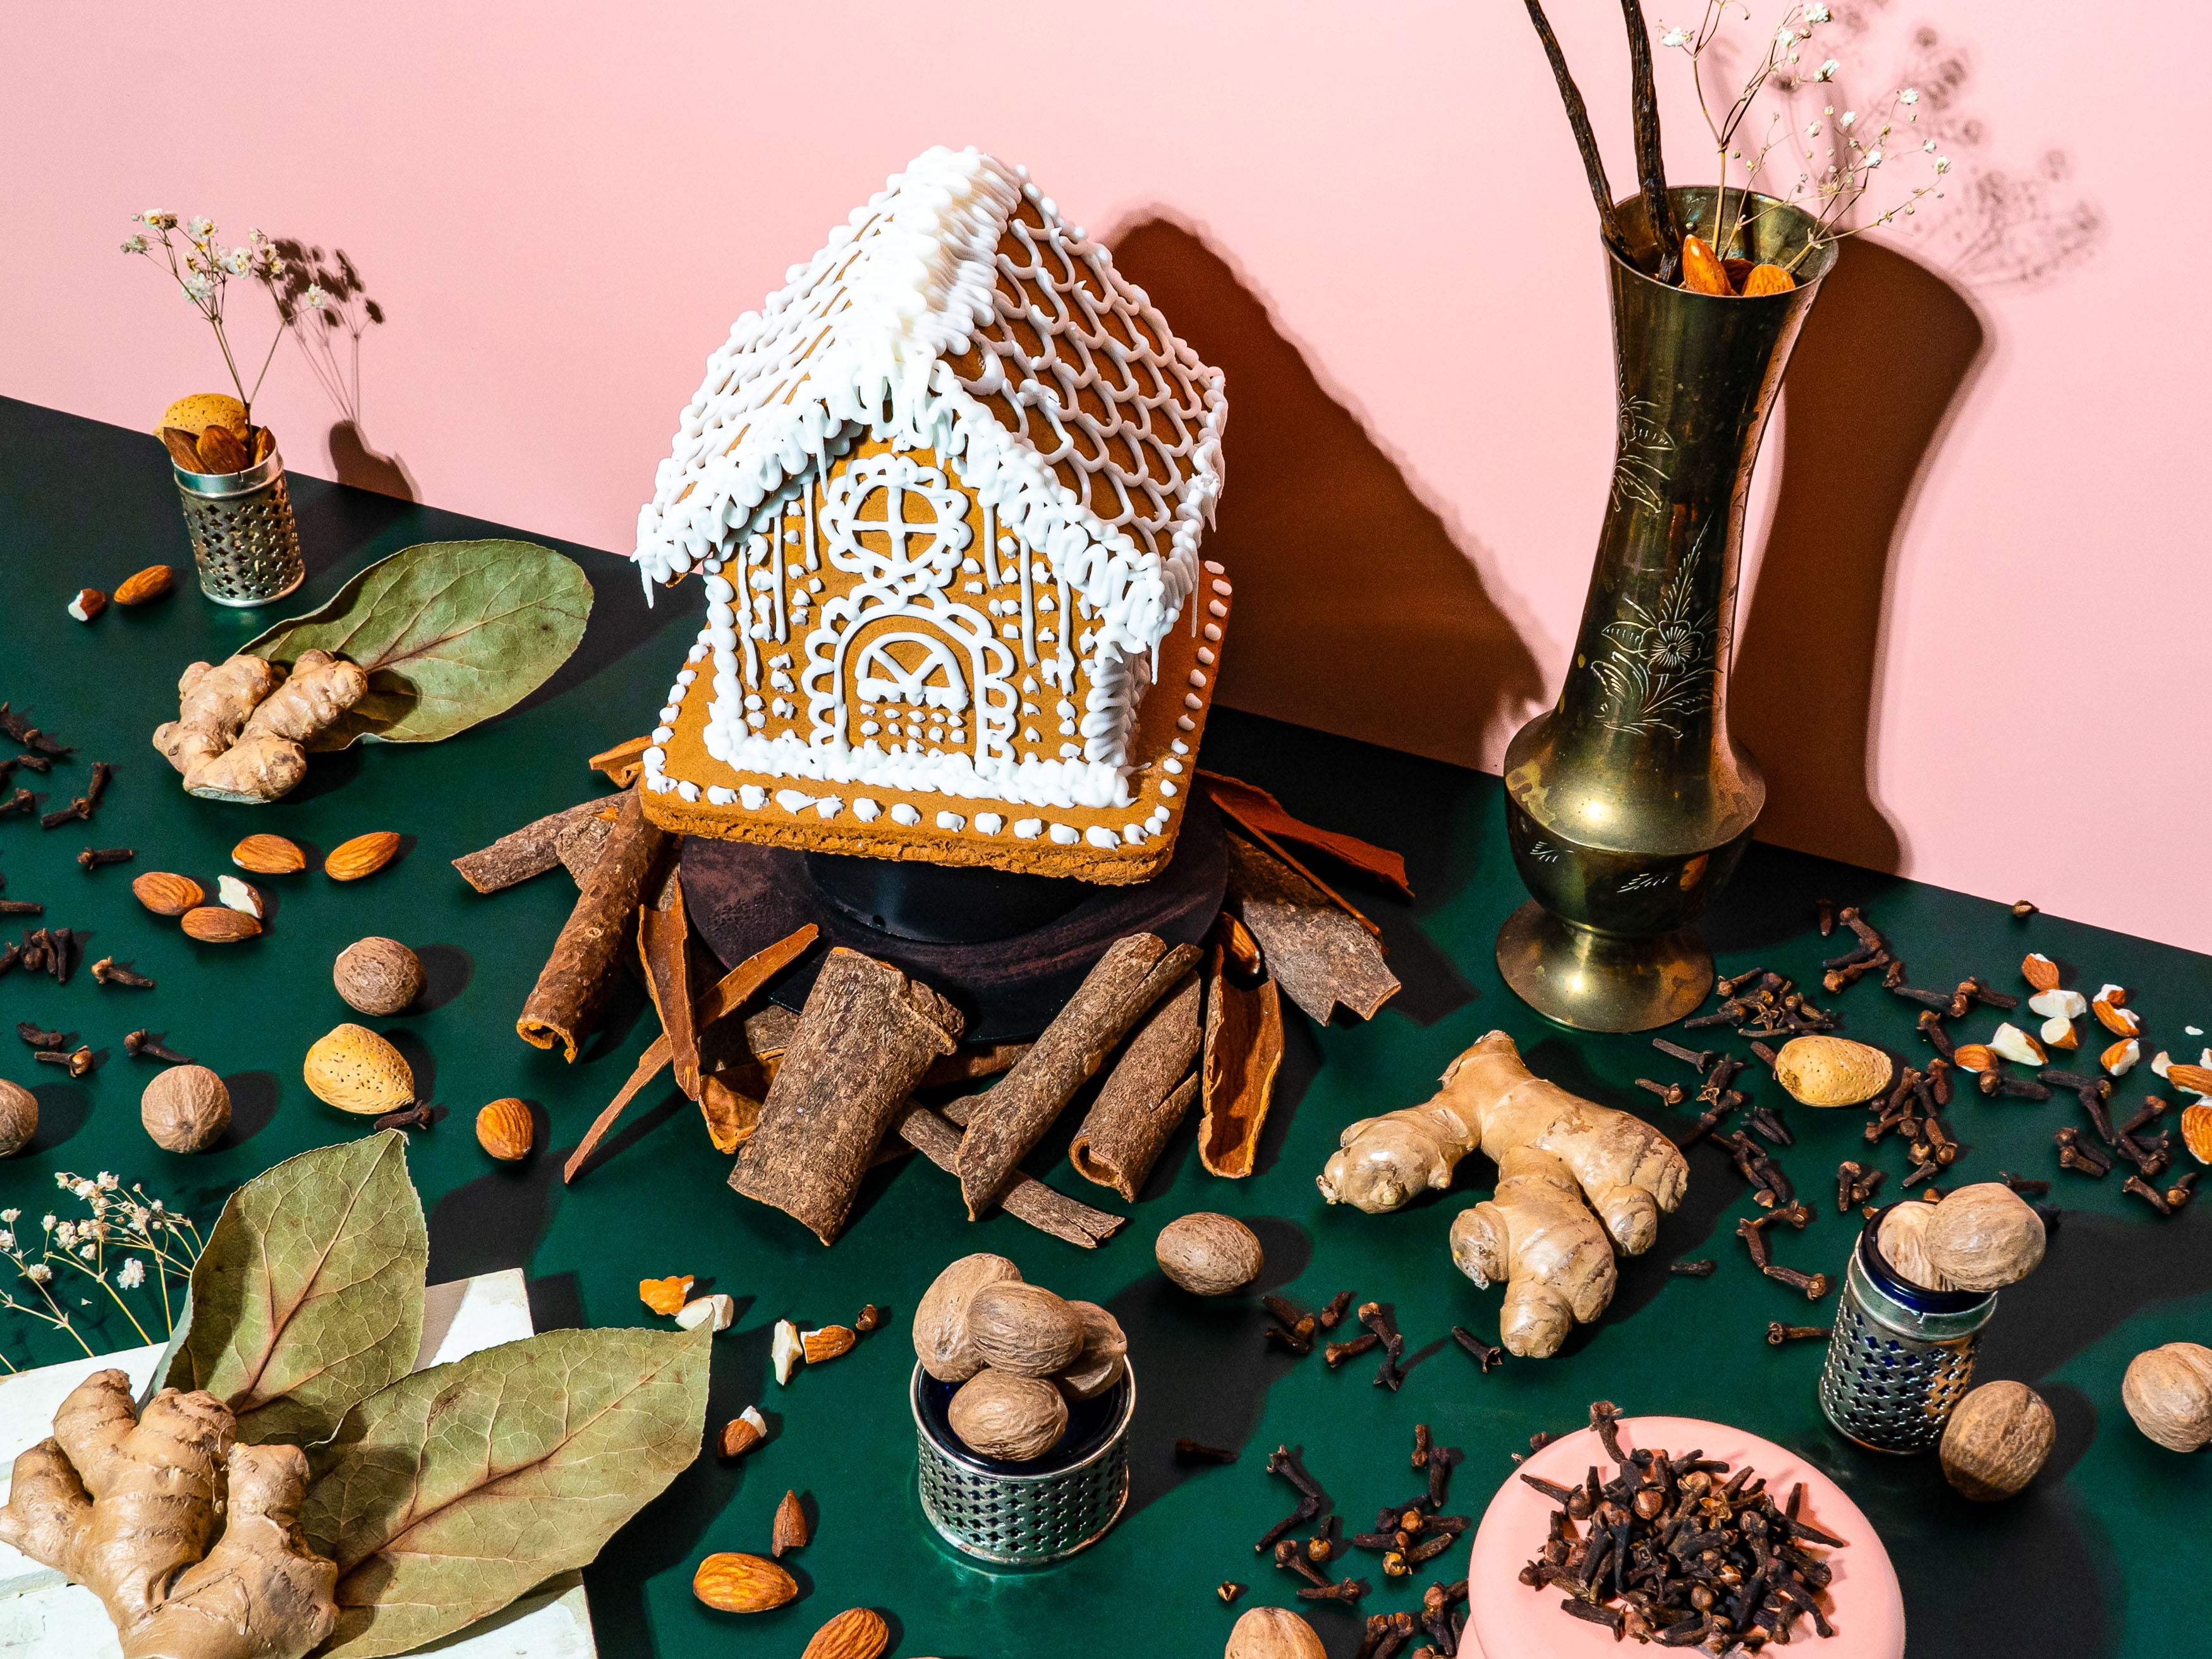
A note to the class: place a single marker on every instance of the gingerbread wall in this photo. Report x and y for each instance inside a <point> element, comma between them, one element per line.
<point>1972,648</point>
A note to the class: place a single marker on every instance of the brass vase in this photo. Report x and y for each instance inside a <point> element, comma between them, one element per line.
<point>1629,803</point>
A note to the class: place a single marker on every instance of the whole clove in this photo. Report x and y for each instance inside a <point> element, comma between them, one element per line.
<point>20,907</point>
<point>1312,1500</point>
<point>2149,1195</point>
<point>1777,1333</point>
<point>1699,1058</point>
<point>2022,1185</point>
<point>421,1115</point>
<point>1824,911</point>
<point>1485,1355</point>
<point>1290,1559</point>
<point>21,801</point>
<point>1699,1269</point>
<point>107,971</point>
<point>1816,1286</point>
<point>143,1045</point>
<point>1337,1353</point>
<point>95,858</point>
<point>1931,1026</point>
<point>1187,1450</point>
<point>40,1039</point>
<point>79,1060</point>
<point>1376,1318</point>
<point>1672,1094</point>
<point>20,728</point>
<point>2074,1154</point>
<point>1754,1240</point>
<point>1442,1461</point>
<point>2184,1187</point>
<point>1229,1590</point>
<point>1333,1313</point>
<point>1849,1174</point>
<point>1294,1328</point>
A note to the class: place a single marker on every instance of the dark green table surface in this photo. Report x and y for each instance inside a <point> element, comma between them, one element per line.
<point>2107,1553</point>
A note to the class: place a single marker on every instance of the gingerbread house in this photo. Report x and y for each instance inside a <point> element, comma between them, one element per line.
<point>944,492</point>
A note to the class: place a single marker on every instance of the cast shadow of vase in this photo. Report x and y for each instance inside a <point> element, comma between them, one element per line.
<point>1336,557</point>
<point>1883,366</point>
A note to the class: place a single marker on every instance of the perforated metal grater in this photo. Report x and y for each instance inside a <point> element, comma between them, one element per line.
<point>1899,1358</point>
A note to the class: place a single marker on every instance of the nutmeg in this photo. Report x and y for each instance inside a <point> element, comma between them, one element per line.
<point>185,1109</point>
<point>1273,1633</point>
<point>1209,1255</point>
<point>940,1319</point>
<point>1903,1242</point>
<point>1014,1418</point>
<point>1983,1237</point>
<point>19,1117</point>
<point>378,975</point>
<point>1997,1440</point>
<point>1104,1357</point>
<point>2168,1392</point>
<point>1024,1328</point>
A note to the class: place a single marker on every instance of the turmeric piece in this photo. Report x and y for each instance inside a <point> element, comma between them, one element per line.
<point>190,1541</point>
<point>241,729</point>
<point>1559,1159</point>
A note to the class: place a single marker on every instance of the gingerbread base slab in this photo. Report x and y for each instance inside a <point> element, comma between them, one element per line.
<point>741,897</point>
<point>1110,846</point>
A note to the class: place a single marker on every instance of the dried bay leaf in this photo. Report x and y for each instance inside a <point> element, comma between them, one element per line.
<point>450,633</point>
<point>449,1494</point>
<point>308,1298</point>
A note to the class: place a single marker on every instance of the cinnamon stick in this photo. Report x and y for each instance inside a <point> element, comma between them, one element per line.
<point>1320,956</point>
<point>1133,974</point>
<point>664,945</point>
<point>864,1039</point>
<point>530,851</point>
<point>936,1138</point>
<point>565,1002</point>
<point>1244,1050</point>
<point>725,998</point>
<point>580,845</point>
<point>1144,1097</point>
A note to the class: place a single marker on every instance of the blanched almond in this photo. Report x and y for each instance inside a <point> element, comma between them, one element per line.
<point>2064,1005</point>
<point>2015,1044</point>
<point>2058,1033</point>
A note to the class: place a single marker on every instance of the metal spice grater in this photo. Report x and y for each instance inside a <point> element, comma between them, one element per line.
<point>1899,1358</point>
<point>986,1510</point>
<point>243,540</point>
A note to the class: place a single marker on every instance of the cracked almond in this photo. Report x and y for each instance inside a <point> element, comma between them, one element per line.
<point>364,855</point>
<point>2119,1021</point>
<point>789,1530</point>
<point>1974,1057</point>
<point>2196,1131</point>
<point>827,1343</point>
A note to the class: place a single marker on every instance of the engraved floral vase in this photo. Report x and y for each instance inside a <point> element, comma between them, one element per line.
<point>1629,802</point>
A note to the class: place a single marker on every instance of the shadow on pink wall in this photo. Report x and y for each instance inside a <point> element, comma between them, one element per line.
<point>1358,609</point>
<point>329,338</point>
<point>1881,370</point>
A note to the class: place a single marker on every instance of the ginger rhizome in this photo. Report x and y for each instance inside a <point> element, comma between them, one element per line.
<point>241,728</point>
<point>190,1541</point>
<point>1559,1158</point>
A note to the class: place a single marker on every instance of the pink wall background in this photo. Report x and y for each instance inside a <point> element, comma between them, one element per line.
<point>1974,649</point>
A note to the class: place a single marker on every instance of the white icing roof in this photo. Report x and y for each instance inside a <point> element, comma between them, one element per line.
<point>958,307</point>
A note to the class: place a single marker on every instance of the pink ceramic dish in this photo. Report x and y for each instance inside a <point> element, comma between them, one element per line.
<point>1506,1619</point>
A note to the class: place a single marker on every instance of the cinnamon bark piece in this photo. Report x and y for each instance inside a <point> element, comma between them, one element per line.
<point>1319,955</point>
<point>971,1062</point>
<point>565,1002</point>
<point>580,846</point>
<point>530,851</point>
<point>865,1038</point>
<point>664,945</point>
<point>1243,1049</point>
<point>1258,810</point>
<point>723,998</point>
<point>1145,1096</point>
<point>936,1138</point>
<point>624,761</point>
<point>1133,974</point>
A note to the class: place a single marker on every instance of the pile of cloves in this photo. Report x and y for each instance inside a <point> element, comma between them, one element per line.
<point>1669,1552</point>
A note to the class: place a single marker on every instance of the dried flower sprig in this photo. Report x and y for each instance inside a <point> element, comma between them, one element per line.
<point>202,269</point>
<point>124,1235</point>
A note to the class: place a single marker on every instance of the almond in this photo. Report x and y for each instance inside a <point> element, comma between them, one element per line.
<point>2040,971</point>
<point>149,583</point>
<point>364,855</point>
<point>505,1130</point>
<point>357,1071</point>
<point>89,603</point>
<point>827,1343</point>
<point>855,1633</point>
<point>718,1312</point>
<point>2197,1079</point>
<point>1767,279</point>
<point>268,855</point>
<point>214,924</point>
<point>665,1296</point>
<point>1702,273</point>
<point>730,1583</point>
<point>2196,1131</point>
<point>2058,1033</point>
<point>241,896</point>
<point>221,451</point>
<point>1972,1057</point>
<point>166,895</point>
<point>2015,1044</point>
<point>741,1434</point>
<point>789,1531</point>
<point>2120,1059</point>
<point>2118,1020</point>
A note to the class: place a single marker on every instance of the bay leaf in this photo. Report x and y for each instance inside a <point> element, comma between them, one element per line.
<point>452,1492</point>
<point>308,1298</point>
<point>450,633</point>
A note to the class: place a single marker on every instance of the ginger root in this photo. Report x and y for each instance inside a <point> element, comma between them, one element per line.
<point>126,1506</point>
<point>241,729</point>
<point>1558,1158</point>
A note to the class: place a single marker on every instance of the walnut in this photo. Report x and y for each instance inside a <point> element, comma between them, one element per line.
<point>185,1109</point>
<point>378,975</point>
<point>1997,1440</point>
<point>1209,1255</point>
<point>940,1321</point>
<point>2168,1392</point>
<point>1273,1633</point>
<point>1024,1328</point>
<point>19,1117</point>
<point>1104,1357</point>
<point>1983,1237</point>
<point>1014,1418</point>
